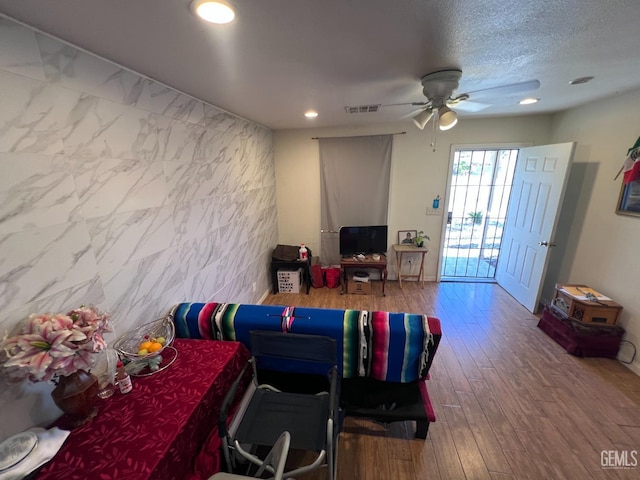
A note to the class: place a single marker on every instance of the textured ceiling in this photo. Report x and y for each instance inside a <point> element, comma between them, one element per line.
<point>283,57</point>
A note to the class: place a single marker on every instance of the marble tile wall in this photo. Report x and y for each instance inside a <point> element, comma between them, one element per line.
<point>118,191</point>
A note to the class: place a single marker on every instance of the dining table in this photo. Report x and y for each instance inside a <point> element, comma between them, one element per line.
<point>164,429</point>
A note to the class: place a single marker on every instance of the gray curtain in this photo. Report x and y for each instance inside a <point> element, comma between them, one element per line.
<point>354,186</point>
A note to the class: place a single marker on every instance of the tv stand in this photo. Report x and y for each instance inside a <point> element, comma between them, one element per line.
<point>367,262</point>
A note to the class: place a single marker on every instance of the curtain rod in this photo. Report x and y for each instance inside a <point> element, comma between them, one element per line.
<point>355,136</point>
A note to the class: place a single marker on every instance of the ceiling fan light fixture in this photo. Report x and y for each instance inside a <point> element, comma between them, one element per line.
<point>422,118</point>
<point>447,118</point>
<point>213,11</point>
<point>529,101</point>
<point>311,114</point>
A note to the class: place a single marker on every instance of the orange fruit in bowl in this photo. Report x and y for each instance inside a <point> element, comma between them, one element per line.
<point>155,346</point>
<point>145,345</point>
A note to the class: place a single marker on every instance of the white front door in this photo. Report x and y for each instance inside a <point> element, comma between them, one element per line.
<point>538,189</point>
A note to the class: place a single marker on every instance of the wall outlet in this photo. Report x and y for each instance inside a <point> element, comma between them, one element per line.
<point>254,287</point>
<point>433,211</point>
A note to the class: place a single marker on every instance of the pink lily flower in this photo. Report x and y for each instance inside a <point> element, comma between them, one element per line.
<point>55,345</point>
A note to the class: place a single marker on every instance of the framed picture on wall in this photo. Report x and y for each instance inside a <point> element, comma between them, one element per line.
<point>629,199</point>
<point>407,237</point>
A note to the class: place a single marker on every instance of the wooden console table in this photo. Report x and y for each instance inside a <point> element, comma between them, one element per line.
<point>366,262</point>
<point>402,249</point>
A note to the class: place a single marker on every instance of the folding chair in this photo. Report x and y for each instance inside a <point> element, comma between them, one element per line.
<point>265,411</point>
<point>274,462</point>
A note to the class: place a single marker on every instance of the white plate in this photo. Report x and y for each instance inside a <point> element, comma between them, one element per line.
<point>16,448</point>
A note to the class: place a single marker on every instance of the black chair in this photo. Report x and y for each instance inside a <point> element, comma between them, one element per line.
<point>265,411</point>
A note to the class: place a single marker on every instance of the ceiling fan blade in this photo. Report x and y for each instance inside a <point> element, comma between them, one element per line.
<point>415,104</point>
<point>504,90</point>
<point>413,113</point>
<point>469,106</point>
<point>421,106</point>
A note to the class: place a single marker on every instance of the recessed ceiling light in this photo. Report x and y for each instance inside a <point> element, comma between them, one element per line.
<point>581,80</point>
<point>528,101</point>
<point>311,114</point>
<point>214,12</point>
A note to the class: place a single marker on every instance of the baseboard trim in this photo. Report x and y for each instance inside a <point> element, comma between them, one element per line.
<point>264,295</point>
<point>634,367</point>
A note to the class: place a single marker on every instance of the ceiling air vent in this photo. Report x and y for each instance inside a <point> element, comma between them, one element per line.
<point>363,109</point>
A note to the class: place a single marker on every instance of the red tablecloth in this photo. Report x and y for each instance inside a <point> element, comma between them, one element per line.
<point>166,428</point>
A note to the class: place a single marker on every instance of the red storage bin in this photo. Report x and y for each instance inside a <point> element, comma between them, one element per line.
<point>332,276</point>
<point>317,276</point>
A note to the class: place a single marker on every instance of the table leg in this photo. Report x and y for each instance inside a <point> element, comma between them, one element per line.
<point>274,279</point>
<point>399,265</point>
<point>307,273</point>
<point>384,280</point>
<point>421,274</point>
<point>342,279</point>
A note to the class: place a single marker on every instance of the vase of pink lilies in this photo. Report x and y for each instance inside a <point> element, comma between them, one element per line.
<point>61,348</point>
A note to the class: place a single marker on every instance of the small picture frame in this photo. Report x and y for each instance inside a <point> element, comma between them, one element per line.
<point>407,237</point>
<point>629,200</point>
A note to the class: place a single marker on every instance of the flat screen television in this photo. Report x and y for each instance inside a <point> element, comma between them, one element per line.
<point>364,239</point>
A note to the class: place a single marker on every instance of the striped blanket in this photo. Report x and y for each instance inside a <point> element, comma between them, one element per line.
<point>392,347</point>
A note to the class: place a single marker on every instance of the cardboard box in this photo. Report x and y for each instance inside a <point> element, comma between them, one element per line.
<point>360,288</point>
<point>289,281</point>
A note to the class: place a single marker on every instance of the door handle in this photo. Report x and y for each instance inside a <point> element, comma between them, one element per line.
<point>547,244</point>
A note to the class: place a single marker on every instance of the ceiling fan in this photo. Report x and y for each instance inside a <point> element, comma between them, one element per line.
<point>439,87</point>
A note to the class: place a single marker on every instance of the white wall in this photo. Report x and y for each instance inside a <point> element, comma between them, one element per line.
<point>118,191</point>
<point>417,175</point>
<point>602,247</point>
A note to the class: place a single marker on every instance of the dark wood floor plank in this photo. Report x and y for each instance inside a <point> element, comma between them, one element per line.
<point>500,425</point>
<point>509,400</point>
<point>541,456</point>
<point>578,442</point>
<point>522,465</point>
<point>470,456</point>
<point>485,438</point>
<point>449,465</point>
<point>425,460</point>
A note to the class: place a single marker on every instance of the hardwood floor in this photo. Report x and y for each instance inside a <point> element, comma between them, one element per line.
<point>510,403</point>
